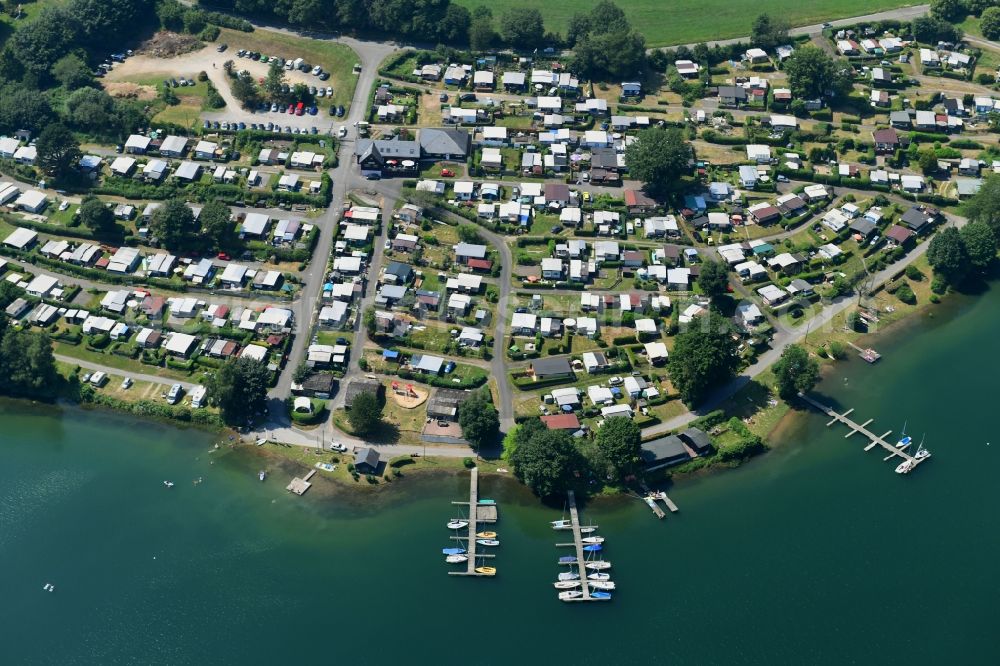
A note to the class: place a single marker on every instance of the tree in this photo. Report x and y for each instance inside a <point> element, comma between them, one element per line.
<point>91,109</point>
<point>619,440</point>
<point>990,24</point>
<point>306,12</point>
<point>245,90</point>
<point>482,35</point>
<point>979,8</point>
<point>812,73</point>
<point>97,217</point>
<point>980,244</point>
<point>984,206</point>
<point>704,357</point>
<point>522,28</point>
<point>545,460</point>
<point>931,30</point>
<point>239,388</point>
<point>454,27</point>
<point>173,224</point>
<point>27,364</point>
<point>768,32</point>
<point>274,81</point>
<point>22,108</point>
<point>469,233</point>
<point>610,55</point>
<point>72,72</point>
<point>217,226</point>
<point>948,10</point>
<point>658,157</point>
<point>795,372</point>
<point>365,413</point>
<point>928,161</point>
<point>479,419</point>
<point>57,151</point>
<point>39,43</point>
<point>713,279</point>
<point>947,255</point>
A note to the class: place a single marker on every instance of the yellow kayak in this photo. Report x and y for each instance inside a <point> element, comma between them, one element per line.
<point>486,571</point>
<point>486,535</point>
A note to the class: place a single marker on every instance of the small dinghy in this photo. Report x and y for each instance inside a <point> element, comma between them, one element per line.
<point>457,524</point>
<point>456,559</point>
<point>566,584</point>
<point>487,542</point>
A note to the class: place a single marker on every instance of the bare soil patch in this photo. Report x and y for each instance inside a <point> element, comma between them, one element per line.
<point>167,44</point>
<point>129,90</point>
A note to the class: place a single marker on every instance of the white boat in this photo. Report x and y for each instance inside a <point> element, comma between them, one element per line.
<point>457,524</point>
<point>570,594</point>
<point>566,584</point>
<point>904,442</point>
<point>598,565</point>
<point>599,576</point>
<point>569,575</point>
<point>49,587</point>
<point>904,467</point>
<point>593,539</point>
<point>168,484</point>
<point>261,475</point>
<point>456,559</point>
<point>488,542</point>
<point>601,585</point>
<point>562,524</point>
<point>588,530</point>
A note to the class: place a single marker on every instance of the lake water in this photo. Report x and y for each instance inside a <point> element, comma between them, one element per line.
<point>816,553</point>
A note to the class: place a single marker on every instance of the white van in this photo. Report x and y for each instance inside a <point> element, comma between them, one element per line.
<point>174,394</point>
<point>198,397</point>
<point>98,378</point>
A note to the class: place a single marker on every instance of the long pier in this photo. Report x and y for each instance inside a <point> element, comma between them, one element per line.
<point>862,428</point>
<point>578,546</point>
<point>476,516</point>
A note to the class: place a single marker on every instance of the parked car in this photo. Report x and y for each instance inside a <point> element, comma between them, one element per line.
<point>337,446</point>
<point>126,383</point>
<point>467,97</point>
<point>99,378</point>
<point>320,92</point>
<point>342,132</point>
<point>443,97</point>
<point>447,173</point>
<point>340,111</point>
<point>616,381</point>
<point>373,176</point>
<point>313,110</point>
<point>324,76</point>
<point>222,47</point>
<point>317,70</point>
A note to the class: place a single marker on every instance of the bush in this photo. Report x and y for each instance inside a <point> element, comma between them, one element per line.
<point>837,350</point>
<point>469,463</point>
<point>905,294</point>
<point>914,273</point>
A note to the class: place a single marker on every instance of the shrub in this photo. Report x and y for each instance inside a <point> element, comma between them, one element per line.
<point>469,463</point>
<point>837,350</point>
<point>914,273</point>
<point>905,294</point>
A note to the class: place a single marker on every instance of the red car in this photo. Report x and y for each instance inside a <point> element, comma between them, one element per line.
<point>223,256</point>
<point>447,173</point>
<point>300,109</point>
<point>291,108</point>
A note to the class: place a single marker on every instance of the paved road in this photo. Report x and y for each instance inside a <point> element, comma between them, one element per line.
<point>901,14</point>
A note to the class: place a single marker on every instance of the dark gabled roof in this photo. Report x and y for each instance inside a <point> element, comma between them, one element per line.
<point>697,439</point>
<point>551,366</point>
<point>359,386</point>
<point>915,219</point>
<point>899,234</point>
<point>319,383</point>
<point>885,135</point>
<point>399,269</point>
<point>366,456</point>
<point>388,148</point>
<point>638,198</point>
<point>671,251</point>
<point>561,422</point>
<point>863,226</point>
<point>736,92</point>
<point>436,141</point>
<point>556,192</point>
<point>664,450</point>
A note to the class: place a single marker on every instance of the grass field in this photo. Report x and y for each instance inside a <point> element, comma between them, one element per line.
<point>332,57</point>
<point>690,21</point>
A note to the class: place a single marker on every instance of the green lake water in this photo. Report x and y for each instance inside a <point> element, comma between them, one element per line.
<point>816,553</point>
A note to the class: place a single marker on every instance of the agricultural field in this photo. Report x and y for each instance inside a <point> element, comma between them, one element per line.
<point>691,21</point>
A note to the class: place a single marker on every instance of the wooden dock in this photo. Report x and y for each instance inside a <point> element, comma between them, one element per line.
<point>300,486</point>
<point>477,514</point>
<point>862,428</point>
<point>578,546</point>
<point>869,355</point>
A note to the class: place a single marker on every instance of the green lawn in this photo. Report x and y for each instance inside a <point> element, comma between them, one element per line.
<point>688,21</point>
<point>332,57</point>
